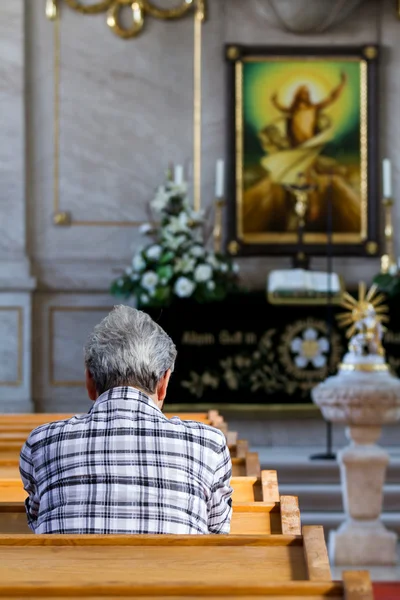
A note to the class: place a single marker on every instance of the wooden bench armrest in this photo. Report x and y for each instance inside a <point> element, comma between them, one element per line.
<point>290,515</point>
<point>252,461</point>
<point>316,553</point>
<point>357,585</point>
<point>269,484</point>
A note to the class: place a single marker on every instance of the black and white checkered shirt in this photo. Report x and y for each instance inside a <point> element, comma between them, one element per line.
<point>125,468</point>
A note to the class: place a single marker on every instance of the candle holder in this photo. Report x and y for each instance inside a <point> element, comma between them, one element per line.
<point>388,259</point>
<point>217,232</point>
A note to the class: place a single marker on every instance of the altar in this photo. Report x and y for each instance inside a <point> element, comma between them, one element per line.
<point>245,351</point>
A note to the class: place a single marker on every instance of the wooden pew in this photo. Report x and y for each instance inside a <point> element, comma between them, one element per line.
<point>24,423</point>
<point>272,515</point>
<point>10,451</point>
<point>248,466</point>
<point>249,518</point>
<point>356,585</point>
<point>52,564</point>
<point>246,489</point>
<point>14,429</point>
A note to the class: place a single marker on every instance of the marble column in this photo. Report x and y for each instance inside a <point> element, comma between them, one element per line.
<point>16,283</point>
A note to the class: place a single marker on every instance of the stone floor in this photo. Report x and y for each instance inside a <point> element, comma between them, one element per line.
<point>376,573</point>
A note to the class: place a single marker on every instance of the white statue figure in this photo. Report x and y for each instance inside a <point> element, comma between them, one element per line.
<point>365,318</point>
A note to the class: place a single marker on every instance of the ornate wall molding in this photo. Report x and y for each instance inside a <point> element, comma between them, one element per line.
<point>20,329</point>
<point>112,8</point>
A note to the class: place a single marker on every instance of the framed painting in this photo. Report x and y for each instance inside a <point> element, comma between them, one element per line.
<point>302,118</point>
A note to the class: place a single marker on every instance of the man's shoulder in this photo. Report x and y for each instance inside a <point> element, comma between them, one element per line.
<point>201,429</point>
<point>43,431</point>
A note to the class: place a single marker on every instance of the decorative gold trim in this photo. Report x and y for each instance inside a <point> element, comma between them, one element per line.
<point>370,52</point>
<point>197,102</point>
<point>364,149</point>
<point>168,13</point>
<point>365,367</point>
<point>113,7</point>
<point>239,146</point>
<point>233,247</point>
<point>18,382</point>
<point>137,19</point>
<point>56,117</point>
<point>371,248</point>
<point>62,218</point>
<point>90,9</point>
<point>292,238</point>
<point>50,327</point>
<point>232,53</point>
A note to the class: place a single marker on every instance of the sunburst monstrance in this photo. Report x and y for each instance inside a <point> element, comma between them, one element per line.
<point>369,305</point>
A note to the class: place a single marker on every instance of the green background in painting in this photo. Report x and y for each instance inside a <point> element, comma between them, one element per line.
<point>262,79</point>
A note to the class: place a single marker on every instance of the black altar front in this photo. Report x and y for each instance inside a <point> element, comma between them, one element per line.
<point>245,351</point>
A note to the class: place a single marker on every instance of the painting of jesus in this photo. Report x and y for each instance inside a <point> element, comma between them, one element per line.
<point>302,116</point>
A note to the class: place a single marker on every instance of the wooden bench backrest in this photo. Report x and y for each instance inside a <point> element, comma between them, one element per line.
<point>249,518</point>
<point>356,585</point>
<point>55,561</point>
<point>245,489</point>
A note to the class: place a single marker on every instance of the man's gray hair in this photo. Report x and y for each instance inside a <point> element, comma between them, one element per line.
<point>128,348</point>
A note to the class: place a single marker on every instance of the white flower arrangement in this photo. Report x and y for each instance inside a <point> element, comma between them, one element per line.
<point>176,263</point>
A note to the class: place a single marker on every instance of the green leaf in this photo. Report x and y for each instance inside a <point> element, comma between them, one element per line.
<point>166,257</point>
<point>165,272</point>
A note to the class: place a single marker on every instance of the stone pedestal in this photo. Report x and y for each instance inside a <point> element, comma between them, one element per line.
<point>364,401</point>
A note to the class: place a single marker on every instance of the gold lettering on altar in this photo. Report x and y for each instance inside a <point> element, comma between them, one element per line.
<point>230,339</point>
<point>193,338</point>
<point>250,338</point>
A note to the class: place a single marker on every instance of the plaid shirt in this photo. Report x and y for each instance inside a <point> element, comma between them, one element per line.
<point>125,468</point>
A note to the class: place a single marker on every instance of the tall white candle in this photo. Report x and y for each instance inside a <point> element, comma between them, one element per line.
<point>178,175</point>
<point>387,178</point>
<point>219,179</point>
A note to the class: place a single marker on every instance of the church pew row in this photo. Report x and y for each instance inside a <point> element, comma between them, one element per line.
<point>246,488</point>
<point>249,518</point>
<point>10,450</point>
<point>52,564</point>
<point>24,423</point>
<point>356,585</point>
<point>14,429</point>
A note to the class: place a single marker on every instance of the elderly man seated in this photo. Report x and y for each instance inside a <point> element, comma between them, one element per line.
<point>124,467</point>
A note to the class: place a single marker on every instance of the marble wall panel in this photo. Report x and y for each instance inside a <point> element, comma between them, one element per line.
<point>10,352</point>
<point>15,352</point>
<point>69,327</point>
<point>125,113</point>
<point>62,323</point>
<point>12,192</point>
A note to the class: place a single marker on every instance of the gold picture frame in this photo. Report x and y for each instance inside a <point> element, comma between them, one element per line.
<point>262,166</point>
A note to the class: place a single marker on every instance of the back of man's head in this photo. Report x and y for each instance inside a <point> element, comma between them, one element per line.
<point>127,348</point>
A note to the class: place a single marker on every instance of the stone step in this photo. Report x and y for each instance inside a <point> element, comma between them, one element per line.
<point>332,520</point>
<point>295,466</point>
<point>328,497</point>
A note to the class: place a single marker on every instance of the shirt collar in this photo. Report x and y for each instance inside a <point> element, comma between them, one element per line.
<point>122,397</point>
